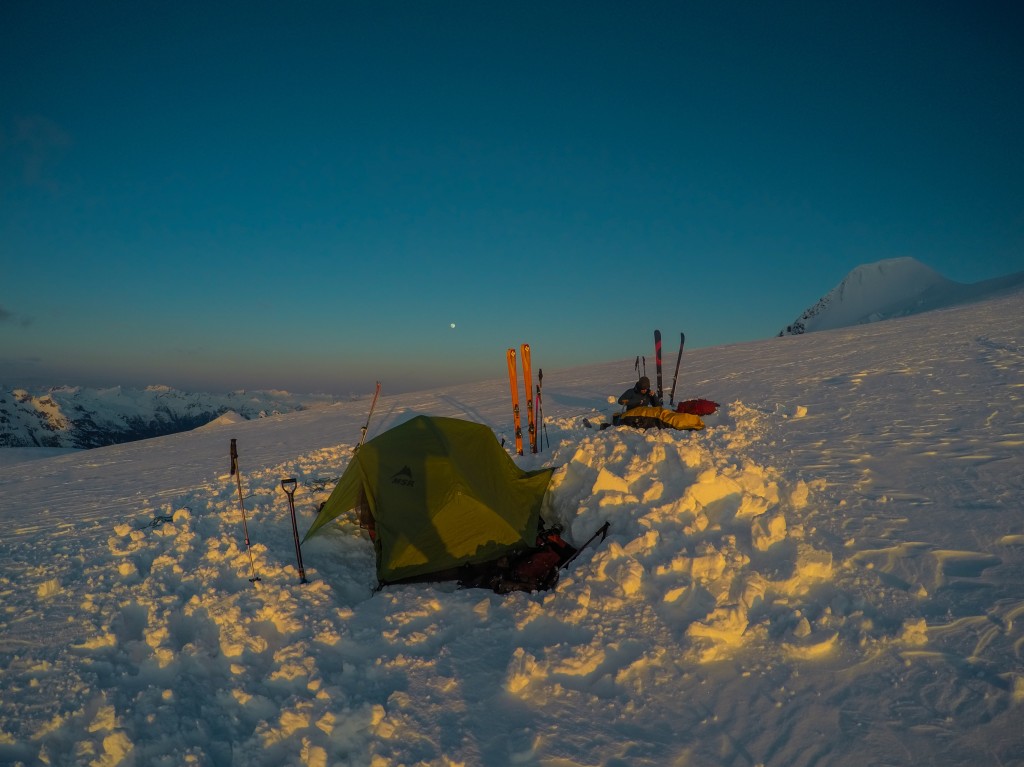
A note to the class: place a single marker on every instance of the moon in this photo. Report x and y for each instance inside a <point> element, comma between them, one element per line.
<point>453,326</point>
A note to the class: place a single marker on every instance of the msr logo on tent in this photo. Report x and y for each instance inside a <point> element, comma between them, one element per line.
<point>403,477</point>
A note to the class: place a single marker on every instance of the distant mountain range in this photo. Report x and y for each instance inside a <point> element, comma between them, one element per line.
<point>896,287</point>
<point>75,417</point>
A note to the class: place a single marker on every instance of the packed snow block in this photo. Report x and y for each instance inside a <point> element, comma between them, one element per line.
<point>711,487</point>
<point>522,669</point>
<point>608,482</point>
<point>799,495</point>
<point>759,481</point>
<point>581,662</point>
<point>574,482</point>
<point>628,576</point>
<point>804,643</point>
<point>727,496</point>
<point>767,530</point>
<point>915,632</point>
<point>708,564</point>
<point>811,566</point>
<point>750,590</point>
<point>723,629</point>
<point>655,492</point>
<point>48,589</point>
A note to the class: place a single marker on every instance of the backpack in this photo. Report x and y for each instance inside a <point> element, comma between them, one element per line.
<point>697,407</point>
<point>534,569</point>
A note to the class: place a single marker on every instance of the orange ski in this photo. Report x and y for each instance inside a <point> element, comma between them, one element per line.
<point>524,350</point>
<point>510,355</point>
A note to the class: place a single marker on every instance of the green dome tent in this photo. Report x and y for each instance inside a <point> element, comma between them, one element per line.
<point>437,494</point>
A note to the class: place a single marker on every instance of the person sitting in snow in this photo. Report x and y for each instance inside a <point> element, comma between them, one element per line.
<point>640,395</point>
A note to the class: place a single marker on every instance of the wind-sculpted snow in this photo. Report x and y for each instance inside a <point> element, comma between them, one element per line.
<point>832,573</point>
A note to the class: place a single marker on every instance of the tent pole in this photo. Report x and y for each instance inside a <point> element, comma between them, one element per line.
<point>366,425</point>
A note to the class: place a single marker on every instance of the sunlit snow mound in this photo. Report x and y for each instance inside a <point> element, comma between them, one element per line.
<point>704,548</point>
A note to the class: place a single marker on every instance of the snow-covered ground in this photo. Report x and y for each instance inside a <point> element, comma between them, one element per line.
<point>831,574</point>
<point>11,456</point>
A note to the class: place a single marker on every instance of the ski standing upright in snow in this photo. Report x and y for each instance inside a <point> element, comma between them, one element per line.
<point>675,376</point>
<point>524,351</point>
<point>510,357</point>
<point>657,359</point>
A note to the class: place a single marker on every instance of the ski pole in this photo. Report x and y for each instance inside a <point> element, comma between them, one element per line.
<point>369,415</point>
<point>602,531</point>
<point>241,507</point>
<point>540,408</point>
<point>675,376</point>
<point>288,485</point>
<point>538,418</point>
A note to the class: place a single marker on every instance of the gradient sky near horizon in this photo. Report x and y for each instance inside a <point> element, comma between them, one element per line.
<point>308,195</point>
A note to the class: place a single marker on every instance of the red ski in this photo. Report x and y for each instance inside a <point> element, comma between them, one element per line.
<point>657,359</point>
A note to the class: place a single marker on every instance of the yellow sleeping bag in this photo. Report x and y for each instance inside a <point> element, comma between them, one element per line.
<point>658,417</point>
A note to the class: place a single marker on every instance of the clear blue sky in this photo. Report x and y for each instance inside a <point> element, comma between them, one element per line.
<point>306,195</point>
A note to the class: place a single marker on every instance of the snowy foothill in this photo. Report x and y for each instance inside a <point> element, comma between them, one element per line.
<point>831,573</point>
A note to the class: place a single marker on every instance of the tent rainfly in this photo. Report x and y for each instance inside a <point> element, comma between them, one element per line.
<point>440,493</point>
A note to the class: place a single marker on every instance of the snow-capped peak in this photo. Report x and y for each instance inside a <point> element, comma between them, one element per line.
<point>894,287</point>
